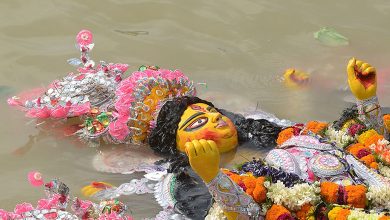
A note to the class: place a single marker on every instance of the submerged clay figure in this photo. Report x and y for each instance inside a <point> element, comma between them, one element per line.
<point>159,106</point>
<point>308,155</point>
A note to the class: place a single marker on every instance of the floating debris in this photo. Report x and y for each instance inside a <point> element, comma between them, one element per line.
<point>330,37</point>
<point>295,78</point>
<point>133,33</point>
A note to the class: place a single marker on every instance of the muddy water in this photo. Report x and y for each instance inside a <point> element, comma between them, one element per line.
<point>239,48</point>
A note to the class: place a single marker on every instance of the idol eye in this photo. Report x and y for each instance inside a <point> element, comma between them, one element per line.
<point>197,124</point>
<point>213,110</point>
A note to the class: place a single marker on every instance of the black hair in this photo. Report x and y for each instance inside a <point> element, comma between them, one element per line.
<point>192,196</point>
<point>162,138</point>
<point>260,132</point>
<point>347,114</point>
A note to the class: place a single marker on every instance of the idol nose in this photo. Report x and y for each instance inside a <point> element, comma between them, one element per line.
<point>216,117</point>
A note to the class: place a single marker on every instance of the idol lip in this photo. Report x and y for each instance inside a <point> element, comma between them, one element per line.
<point>221,124</point>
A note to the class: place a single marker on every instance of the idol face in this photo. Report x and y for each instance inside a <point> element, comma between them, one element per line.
<point>201,121</point>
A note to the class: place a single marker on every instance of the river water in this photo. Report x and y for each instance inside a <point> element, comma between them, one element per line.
<point>238,48</point>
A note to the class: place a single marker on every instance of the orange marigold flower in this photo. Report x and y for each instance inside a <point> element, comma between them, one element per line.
<point>386,120</point>
<point>249,181</point>
<point>367,160</point>
<point>249,191</point>
<point>304,211</point>
<point>260,192</point>
<point>384,218</point>
<point>373,140</point>
<point>329,192</point>
<point>356,196</point>
<point>374,165</point>
<point>285,135</point>
<point>275,211</point>
<point>367,134</point>
<point>236,178</point>
<point>355,148</point>
<point>315,127</point>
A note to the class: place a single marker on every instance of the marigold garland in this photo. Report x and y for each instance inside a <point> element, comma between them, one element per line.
<point>365,135</point>
<point>304,212</point>
<point>355,148</point>
<point>329,192</point>
<point>373,140</point>
<point>386,120</point>
<point>367,160</point>
<point>260,192</point>
<point>356,196</point>
<point>315,127</point>
<point>284,135</point>
<point>277,211</point>
<point>251,185</point>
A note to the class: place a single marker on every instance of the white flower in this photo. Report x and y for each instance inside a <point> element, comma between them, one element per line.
<point>294,197</point>
<point>379,197</point>
<point>357,214</point>
<point>384,170</point>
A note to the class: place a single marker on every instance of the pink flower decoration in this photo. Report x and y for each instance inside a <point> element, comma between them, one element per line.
<point>35,178</point>
<point>60,112</point>
<point>38,113</point>
<point>84,37</point>
<point>22,208</point>
<point>114,216</point>
<point>118,66</point>
<point>51,215</point>
<point>124,88</point>
<point>86,70</point>
<point>81,109</point>
<point>4,214</point>
<point>49,203</point>
<point>118,129</point>
<point>123,103</point>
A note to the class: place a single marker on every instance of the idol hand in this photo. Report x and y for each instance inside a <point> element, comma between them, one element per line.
<point>204,158</point>
<point>94,188</point>
<point>361,79</point>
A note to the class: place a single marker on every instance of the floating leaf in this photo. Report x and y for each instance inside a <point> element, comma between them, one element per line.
<point>330,37</point>
<point>74,62</point>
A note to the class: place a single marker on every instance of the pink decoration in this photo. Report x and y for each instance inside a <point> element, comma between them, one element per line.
<point>22,208</point>
<point>114,216</point>
<point>86,70</point>
<point>35,178</point>
<point>84,37</point>
<point>60,112</point>
<point>49,203</point>
<point>123,104</point>
<point>13,102</point>
<point>77,110</point>
<point>4,214</point>
<point>38,113</point>
<point>118,129</point>
<point>127,88</point>
<point>118,66</point>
